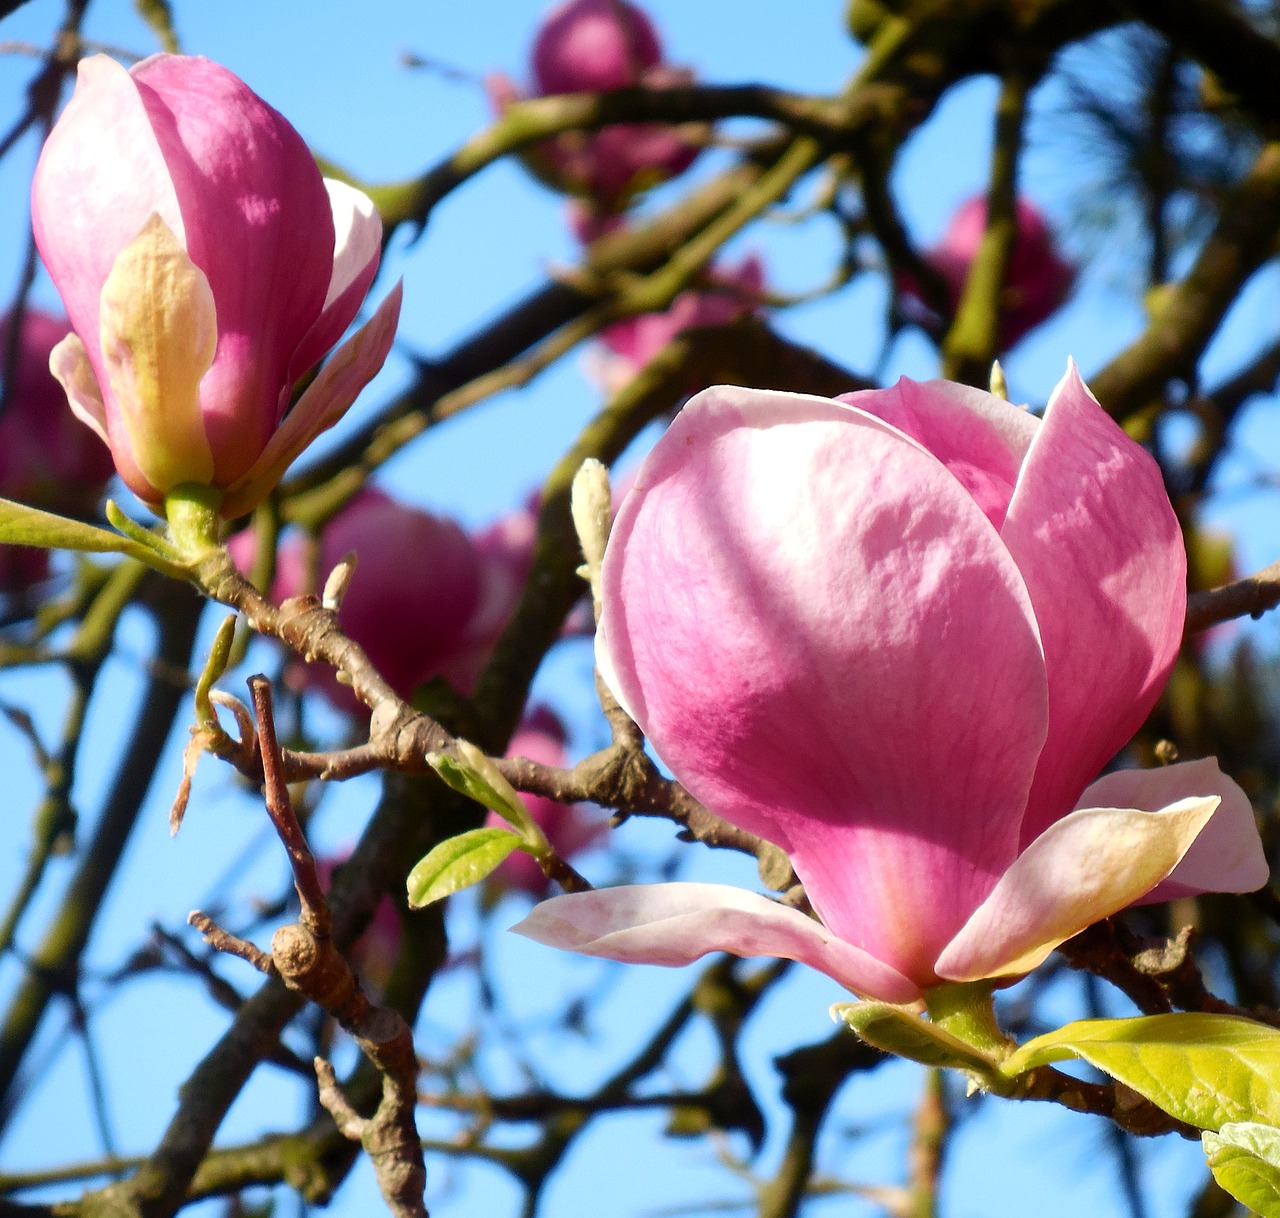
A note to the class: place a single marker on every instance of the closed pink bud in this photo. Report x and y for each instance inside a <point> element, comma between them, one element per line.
<point>595,46</point>
<point>205,266</point>
<point>588,46</point>
<point>898,635</point>
<point>426,599</point>
<point>415,591</point>
<point>1038,280</point>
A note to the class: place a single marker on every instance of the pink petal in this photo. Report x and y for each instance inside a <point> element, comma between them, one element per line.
<point>357,251</point>
<point>981,439</point>
<point>351,367</point>
<point>675,924</point>
<point>1228,854</point>
<point>121,166</point>
<point>1096,539</point>
<point>846,665</point>
<point>1087,866</point>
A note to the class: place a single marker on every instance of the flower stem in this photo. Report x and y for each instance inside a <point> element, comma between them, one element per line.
<point>967,1011</point>
<point>194,524</point>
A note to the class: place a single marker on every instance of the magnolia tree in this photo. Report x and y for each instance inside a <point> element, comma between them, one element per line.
<point>948,658</point>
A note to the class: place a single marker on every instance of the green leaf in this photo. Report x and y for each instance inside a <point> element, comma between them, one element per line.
<point>897,1030</point>
<point>28,526</point>
<point>457,863</point>
<point>1245,1159</point>
<point>1207,1070</point>
<point>216,665</point>
<point>467,770</point>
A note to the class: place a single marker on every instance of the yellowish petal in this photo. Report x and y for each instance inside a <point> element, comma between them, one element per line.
<point>69,363</point>
<point>159,333</point>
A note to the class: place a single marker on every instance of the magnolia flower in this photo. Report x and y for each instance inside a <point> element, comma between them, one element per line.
<point>47,459</point>
<point>205,266</point>
<point>588,46</point>
<point>373,955</point>
<point>631,343</point>
<point>1038,279</point>
<point>898,635</point>
<point>426,600</point>
<point>570,828</point>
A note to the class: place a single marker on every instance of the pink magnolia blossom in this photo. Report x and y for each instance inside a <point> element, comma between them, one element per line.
<point>570,828</point>
<point>587,46</point>
<point>898,635</point>
<point>374,954</point>
<point>205,266</point>
<point>1037,282</point>
<point>47,459</point>
<point>427,599</point>
<point>590,46</point>
<point>634,341</point>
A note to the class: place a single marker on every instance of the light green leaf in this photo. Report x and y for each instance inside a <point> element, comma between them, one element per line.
<point>28,526</point>
<point>1245,1159</point>
<point>457,863</point>
<point>897,1030</point>
<point>1207,1070</point>
<point>216,665</point>
<point>467,770</point>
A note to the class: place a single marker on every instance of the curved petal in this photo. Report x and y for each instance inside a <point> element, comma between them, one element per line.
<point>979,437</point>
<point>351,367</point>
<point>69,363</point>
<point>357,251</point>
<point>1227,856</point>
<point>675,924</point>
<point>258,224</point>
<point>1084,867</point>
<point>102,148</point>
<point>159,331</point>
<point>846,665</point>
<point>1096,539</point>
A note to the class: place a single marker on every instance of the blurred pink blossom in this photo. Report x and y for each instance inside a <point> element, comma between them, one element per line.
<point>427,599</point>
<point>731,292</point>
<point>205,266</point>
<point>374,954</point>
<point>898,635</point>
<point>1037,283</point>
<point>590,46</point>
<point>595,46</point>
<point>570,828</point>
<point>48,459</point>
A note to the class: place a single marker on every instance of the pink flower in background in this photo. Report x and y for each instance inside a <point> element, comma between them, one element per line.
<point>427,599</point>
<point>1038,280</point>
<point>632,342</point>
<point>590,46</point>
<point>47,459</point>
<point>205,266</point>
<point>898,635</point>
<point>374,954</point>
<point>587,46</point>
<point>570,828</point>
